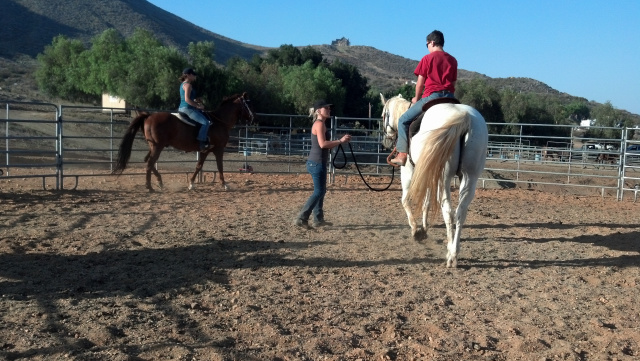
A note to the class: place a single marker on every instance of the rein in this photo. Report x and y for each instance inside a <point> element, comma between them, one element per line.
<point>340,148</point>
<point>210,114</point>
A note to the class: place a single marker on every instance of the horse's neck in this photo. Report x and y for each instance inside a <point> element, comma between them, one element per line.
<point>399,109</point>
<point>225,115</point>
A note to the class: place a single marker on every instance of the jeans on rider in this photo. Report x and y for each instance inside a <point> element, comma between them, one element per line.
<point>402,145</point>
<point>314,204</point>
<point>197,115</point>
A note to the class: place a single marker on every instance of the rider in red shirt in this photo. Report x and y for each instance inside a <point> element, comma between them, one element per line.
<point>437,74</point>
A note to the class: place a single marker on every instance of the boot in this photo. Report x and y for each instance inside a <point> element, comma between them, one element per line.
<point>204,145</point>
<point>400,159</point>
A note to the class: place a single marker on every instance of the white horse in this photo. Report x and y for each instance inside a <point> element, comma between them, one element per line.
<point>452,140</point>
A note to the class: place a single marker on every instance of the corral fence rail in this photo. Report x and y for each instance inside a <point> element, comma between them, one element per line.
<point>58,143</point>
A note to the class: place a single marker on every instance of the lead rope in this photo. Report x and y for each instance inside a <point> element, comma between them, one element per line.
<point>340,148</point>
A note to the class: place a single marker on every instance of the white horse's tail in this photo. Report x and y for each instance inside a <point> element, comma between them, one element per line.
<point>429,170</point>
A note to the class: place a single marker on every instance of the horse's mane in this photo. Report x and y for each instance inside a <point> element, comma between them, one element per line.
<point>398,105</point>
<point>230,98</point>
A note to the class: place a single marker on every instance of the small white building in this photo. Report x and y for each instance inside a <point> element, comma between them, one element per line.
<point>111,102</point>
<point>586,123</point>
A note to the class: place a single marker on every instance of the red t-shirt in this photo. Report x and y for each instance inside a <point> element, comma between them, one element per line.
<point>440,71</point>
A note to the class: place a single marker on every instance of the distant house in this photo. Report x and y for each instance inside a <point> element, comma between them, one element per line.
<point>341,42</point>
<point>111,102</point>
<point>586,123</point>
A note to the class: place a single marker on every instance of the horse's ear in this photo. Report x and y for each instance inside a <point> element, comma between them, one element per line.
<point>245,95</point>
<point>382,99</point>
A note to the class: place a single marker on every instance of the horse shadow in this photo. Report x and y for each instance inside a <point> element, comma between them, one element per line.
<point>621,242</point>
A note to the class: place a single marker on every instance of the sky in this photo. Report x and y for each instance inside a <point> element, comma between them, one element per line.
<point>586,48</point>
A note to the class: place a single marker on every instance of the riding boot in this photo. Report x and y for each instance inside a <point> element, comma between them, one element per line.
<point>204,144</point>
<point>400,159</point>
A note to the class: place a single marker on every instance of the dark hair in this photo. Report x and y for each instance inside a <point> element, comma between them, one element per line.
<point>437,38</point>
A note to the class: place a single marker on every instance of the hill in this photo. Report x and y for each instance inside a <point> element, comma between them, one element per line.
<point>84,19</point>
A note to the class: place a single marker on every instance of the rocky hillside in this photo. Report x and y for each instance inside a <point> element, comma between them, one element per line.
<point>83,19</point>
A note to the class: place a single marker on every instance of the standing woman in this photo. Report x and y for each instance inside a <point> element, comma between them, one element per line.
<point>317,163</point>
<point>191,107</point>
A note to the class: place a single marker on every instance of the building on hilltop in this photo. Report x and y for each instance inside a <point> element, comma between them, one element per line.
<point>341,42</point>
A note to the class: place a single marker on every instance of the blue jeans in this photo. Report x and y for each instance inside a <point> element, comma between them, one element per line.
<point>318,173</point>
<point>402,145</point>
<point>197,115</point>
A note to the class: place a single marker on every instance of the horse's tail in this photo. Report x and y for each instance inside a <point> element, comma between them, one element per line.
<point>124,152</point>
<point>429,170</point>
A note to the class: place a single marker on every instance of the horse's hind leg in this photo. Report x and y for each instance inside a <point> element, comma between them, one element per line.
<point>405,178</point>
<point>203,157</point>
<point>467,193</point>
<point>447,214</point>
<point>152,158</point>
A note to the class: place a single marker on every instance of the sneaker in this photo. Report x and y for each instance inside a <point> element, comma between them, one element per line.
<point>301,223</point>
<point>321,223</point>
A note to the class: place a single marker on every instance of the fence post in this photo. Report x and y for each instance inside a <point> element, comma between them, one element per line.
<point>59,155</point>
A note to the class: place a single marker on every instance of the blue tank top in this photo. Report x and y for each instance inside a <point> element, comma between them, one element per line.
<point>192,96</point>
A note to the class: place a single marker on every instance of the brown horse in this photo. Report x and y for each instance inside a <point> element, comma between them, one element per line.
<point>165,129</point>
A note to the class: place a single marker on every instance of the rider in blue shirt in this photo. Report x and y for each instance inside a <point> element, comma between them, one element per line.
<point>191,107</point>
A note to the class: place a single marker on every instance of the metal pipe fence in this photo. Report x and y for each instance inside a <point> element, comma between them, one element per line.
<point>41,140</point>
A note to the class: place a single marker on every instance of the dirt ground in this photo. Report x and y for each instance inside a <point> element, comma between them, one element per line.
<point>111,272</point>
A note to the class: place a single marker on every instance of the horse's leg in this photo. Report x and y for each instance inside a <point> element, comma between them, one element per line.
<point>425,219</point>
<point>467,192</point>
<point>447,215</point>
<point>152,158</point>
<point>203,157</point>
<point>219,152</point>
<point>405,178</point>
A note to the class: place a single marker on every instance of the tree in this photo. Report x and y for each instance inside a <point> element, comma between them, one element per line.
<point>309,53</point>
<point>213,83</point>
<point>484,98</point>
<point>149,79</point>
<point>304,84</point>
<point>606,115</point>
<point>103,64</point>
<point>285,55</point>
<point>59,66</point>
<point>576,111</point>
<point>139,69</point>
<point>355,87</point>
<point>264,85</point>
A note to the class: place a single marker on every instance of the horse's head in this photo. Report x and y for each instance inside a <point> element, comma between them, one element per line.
<point>233,108</point>
<point>391,112</point>
<point>247,112</point>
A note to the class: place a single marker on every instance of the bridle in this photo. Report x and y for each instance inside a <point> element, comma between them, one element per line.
<point>389,131</point>
<point>245,102</point>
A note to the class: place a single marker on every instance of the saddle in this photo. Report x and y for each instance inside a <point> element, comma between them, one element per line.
<point>415,123</point>
<point>188,121</point>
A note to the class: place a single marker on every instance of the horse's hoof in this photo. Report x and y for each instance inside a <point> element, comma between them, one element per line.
<point>191,187</point>
<point>452,263</point>
<point>419,234</point>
